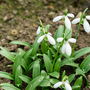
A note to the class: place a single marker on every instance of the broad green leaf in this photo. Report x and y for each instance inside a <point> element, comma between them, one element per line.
<point>6,75</point>
<point>32,64</point>
<point>78,82</point>
<point>8,86</point>
<point>54,74</point>
<point>45,83</point>
<point>21,51</point>
<point>20,43</point>
<point>80,72</point>
<point>85,65</point>
<point>43,73</point>
<point>18,81</point>
<point>44,46</point>
<point>17,62</point>
<point>24,65</point>
<point>72,63</point>
<point>47,27</point>
<point>67,32</point>
<point>35,46</point>
<point>63,74</point>
<point>34,83</point>
<point>71,77</point>
<point>25,78</point>
<point>59,32</point>
<point>75,87</point>
<point>54,81</point>
<point>57,65</point>
<point>65,61</point>
<point>7,54</point>
<point>27,54</point>
<point>47,63</point>
<point>81,52</point>
<point>49,54</point>
<point>36,69</point>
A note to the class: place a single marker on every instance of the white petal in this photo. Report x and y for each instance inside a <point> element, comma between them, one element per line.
<point>68,49</point>
<point>57,18</point>
<point>51,39</point>
<point>50,34</point>
<point>67,23</point>
<point>40,39</point>
<point>63,48</point>
<point>86,26</point>
<point>72,40</point>
<point>75,21</point>
<point>57,85</point>
<point>88,17</point>
<point>67,86</point>
<point>70,15</point>
<point>59,39</point>
<point>38,30</point>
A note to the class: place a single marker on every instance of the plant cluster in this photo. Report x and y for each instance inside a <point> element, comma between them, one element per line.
<point>39,67</point>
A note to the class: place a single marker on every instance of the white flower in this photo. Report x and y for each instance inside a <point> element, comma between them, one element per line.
<point>50,39</point>
<point>66,48</point>
<point>67,21</point>
<point>39,30</point>
<point>64,84</point>
<point>85,23</point>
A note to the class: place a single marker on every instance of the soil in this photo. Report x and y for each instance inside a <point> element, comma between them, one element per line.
<point>19,20</point>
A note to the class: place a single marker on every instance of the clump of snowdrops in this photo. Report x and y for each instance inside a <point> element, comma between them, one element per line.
<point>39,67</point>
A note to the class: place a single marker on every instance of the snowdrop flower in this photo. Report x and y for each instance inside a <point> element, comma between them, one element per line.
<point>39,30</point>
<point>47,37</point>
<point>65,19</point>
<point>66,48</point>
<point>64,84</point>
<point>84,22</point>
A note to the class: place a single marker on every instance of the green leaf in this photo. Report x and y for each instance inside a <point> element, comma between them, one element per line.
<point>43,73</point>
<point>7,54</point>
<point>54,81</point>
<point>71,77</point>
<point>27,54</point>
<point>8,86</point>
<point>21,51</point>
<point>66,61</point>
<point>6,75</point>
<point>81,52</point>
<point>78,82</point>
<point>35,46</point>
<point>57,65</point>
<point>36,69</point>
<point>20,43</point>
<point>47,63</point>
<point>49,54</point>
<point>71,63</point>
<point>45,83</point>
<point>85,65</point>
<point>34,83</point>
<point>80,72</point>
<point>25,78</point>
<point>17,62</point>
<point>47,27</point>
<point>75,87</point>
<point>54,74</point>
<point>67,31</point>
<point>63,74</point>
<point>59,32</point>
<point>32,64</point>
<point>18,81</point>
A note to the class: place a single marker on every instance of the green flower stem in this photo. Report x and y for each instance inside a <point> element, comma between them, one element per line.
<point>58,52</point>
<point>64,31</point>
<point>78,30</point>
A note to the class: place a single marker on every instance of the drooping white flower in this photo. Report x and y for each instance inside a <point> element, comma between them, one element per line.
<point>39,30</point>
<point>49,38</point>
<point>85,23</point>
<point>66,48</point>
<point>65,19</point>
<point>64,84</point>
